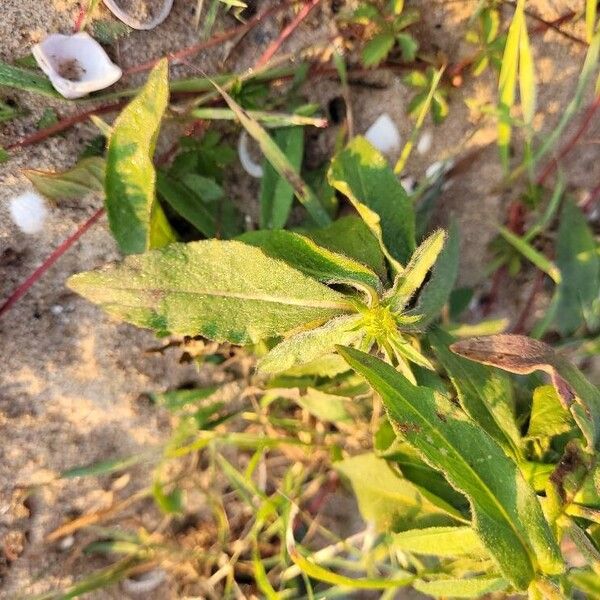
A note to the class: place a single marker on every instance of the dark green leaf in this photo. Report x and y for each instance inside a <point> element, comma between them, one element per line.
<point>506,513</point>
<point>377,49</point>
<point>364,176</point>
<point>26,80</point>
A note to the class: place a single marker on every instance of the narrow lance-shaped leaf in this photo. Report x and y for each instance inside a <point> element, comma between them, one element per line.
<point>306,346</point>
<point>276,193</point>
<point>416,270</point>
<point>278,160</point>
<point>579,263</point>
<point>506,513</point>
<point>26,80</point>
<point>75,183</point>
<point>362,174</point>
<point>436,292</point>
<point>320,263</point>
<point>224,290</point>
<point>485,394</point>
<point>136,219</point>
<point>522,355</point>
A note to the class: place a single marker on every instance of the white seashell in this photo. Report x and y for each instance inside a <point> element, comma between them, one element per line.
<point>384,135</point>
<point>424,144</point>
<point>76,64</point>
<point>135,23</point>
<point>144,583</point>
<point>253,169</point>
<point>29,212</point>
<point>408,183</point>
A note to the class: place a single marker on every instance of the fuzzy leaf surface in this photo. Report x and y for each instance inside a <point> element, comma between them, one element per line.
<point>351,237</point>
<point>476,587</point>
<point>75,183</point>
<point>307,346</point>
<point>224,290</point>
<point>506,513</point>
<point>136,219</point>
<point>361,173</point>
<point>320,263</point>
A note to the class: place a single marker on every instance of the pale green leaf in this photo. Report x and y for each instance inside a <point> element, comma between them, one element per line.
<point>224,290</point>
<point>439,541</point>
<point>591,9</point>
<point>320,263</point>
<point>416,270</point>
<point>506,513</point>
<point>325,407</point>
<point>527,87</point>
<point>485,394</point>
<point>436,292</point>
<point>389,501</point>
<point>136,219</point>
<point>476,587</point>
<point>548,415</point>
<point>352,237</point>
<point>269,119</point>
<point>74,184</point>
<point>362,174</point>
<point>587,581</point>
<point>307,346</point>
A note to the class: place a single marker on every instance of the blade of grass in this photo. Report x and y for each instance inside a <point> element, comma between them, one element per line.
<point>278,160</point>
<point>270,119</point>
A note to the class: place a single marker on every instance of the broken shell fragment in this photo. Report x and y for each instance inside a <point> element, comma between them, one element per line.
<point>253,168</point>
<point>76,64</point>
<point>139,8</point>
<point>384,135</point>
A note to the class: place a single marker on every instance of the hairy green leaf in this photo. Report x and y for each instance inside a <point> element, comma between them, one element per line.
<point>362,174</point>
<point>75,183</point>
<point>351,237</point>
<point>224,290</point>
<point>389,501</point>
<point>506,513</point>
<point>476,587</point>
<point>437,290</point>
<point>320,263</point>
<point>485,394</point>
<point>136,219</point>
<point>416,270</point>
<point>306,346</point>
<point>440,541</point>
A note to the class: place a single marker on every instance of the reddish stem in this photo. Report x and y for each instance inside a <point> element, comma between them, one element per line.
<point>79,20</point>
<point>213,41</point>
<point>23,288</point>
<point>65,123</point>
<point>552,165</point>
<point>268,54</point>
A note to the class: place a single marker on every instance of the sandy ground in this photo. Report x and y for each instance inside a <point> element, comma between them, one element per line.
<point>71,379</point>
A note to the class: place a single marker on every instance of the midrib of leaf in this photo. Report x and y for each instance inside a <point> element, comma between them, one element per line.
<point>458,458</point>
<point>241,296</point>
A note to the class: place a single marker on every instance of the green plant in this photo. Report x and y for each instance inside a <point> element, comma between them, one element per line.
<point>385,25</point>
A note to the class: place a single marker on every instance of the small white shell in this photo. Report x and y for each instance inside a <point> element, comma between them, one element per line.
<point>424,144</point>
<point>384,135</point>
<point>76,64</point>
<point>134,23</point>
<point>29,212</point>
<point>253,169</point>
<point>144,583</point>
